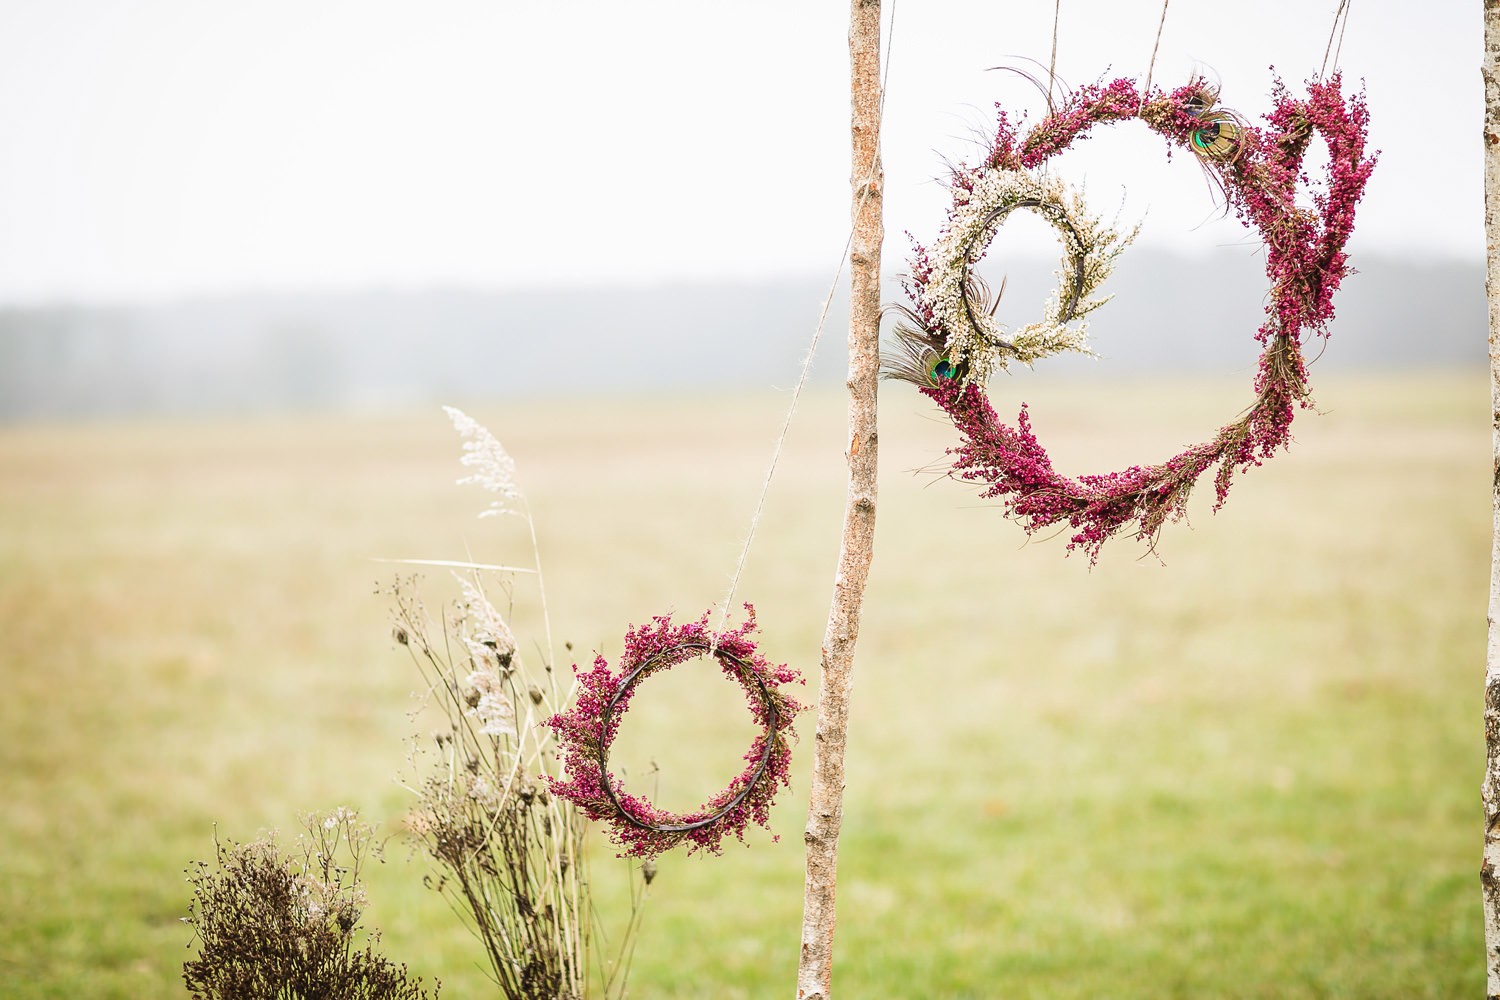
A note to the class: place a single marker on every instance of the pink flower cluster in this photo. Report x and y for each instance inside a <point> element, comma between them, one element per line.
<point>1305,262</point>
<point>1305,259</point>
<point>586,732</point>
<point>1084,108</point>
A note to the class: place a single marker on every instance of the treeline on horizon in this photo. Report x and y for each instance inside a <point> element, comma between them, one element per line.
<point>380,349</point>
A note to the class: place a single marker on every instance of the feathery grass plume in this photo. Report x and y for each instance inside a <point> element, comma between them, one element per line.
<point>510,854</point>
<point>270,925</point>
<point>494,469</point>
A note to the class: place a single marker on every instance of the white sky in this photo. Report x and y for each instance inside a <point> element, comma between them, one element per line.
<point>159,148</point>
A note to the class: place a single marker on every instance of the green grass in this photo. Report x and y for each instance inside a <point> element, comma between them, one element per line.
<point>1246,768</point>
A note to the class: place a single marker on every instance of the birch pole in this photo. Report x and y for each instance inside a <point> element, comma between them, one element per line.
<point>1490,790</point>
<point>826,805</point>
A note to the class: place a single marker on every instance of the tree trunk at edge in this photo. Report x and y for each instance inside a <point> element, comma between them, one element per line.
<point>1489,877</point>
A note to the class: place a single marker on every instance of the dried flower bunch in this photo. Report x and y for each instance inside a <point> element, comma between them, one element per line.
<point>586,731</point>
<point>275,925</point>
<point>511,856</point>
<point>1258,170</point>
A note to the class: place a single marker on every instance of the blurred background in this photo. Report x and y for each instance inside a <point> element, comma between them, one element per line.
<point>339,205</point>
<point>246,249</point>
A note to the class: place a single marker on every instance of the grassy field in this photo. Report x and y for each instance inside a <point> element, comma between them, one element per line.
<point>1247,766</point>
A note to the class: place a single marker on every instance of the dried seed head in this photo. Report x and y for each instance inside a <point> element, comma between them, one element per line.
<point>648,870</point>
<point>399,634</point>
<point>536,695</point>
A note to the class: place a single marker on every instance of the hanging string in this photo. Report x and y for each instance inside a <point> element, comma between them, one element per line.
<point>1052,65</point>
<point>1146,90</point>
<point>812,348</point>
<point>1339,15</point>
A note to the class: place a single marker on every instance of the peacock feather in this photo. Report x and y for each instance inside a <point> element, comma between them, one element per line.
<point>919,356</point>
<point>1202,98</point>
<point>1218,137</point>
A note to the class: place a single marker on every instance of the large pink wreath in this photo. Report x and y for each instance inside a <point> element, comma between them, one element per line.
<point>1258,170</point>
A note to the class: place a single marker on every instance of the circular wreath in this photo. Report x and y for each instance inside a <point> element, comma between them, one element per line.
<point>959,301</point>
<point>586,732</point>
<point>1257,169</point>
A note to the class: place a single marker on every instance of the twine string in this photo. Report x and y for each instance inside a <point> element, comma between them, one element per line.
<point>1052,64</point>
<point>1151,68</point>
<point>807,360</point>
<point>1340,22</point>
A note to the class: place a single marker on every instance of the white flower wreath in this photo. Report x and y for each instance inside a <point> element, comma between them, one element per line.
<point>982,200</point>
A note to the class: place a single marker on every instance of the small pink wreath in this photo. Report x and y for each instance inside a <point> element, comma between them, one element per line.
<point>1258,170</point>
<point>586,732</point>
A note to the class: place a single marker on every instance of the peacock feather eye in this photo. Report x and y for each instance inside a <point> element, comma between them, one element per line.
<point>939,368</point>
<point>1218,138</point>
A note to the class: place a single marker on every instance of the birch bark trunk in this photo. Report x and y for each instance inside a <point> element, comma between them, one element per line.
<point>826,805</point>
<point>1489,877</point>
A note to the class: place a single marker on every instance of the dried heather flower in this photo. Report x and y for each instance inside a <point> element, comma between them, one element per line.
<point>586,731</point>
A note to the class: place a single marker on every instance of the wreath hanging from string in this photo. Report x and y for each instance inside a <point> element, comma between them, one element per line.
<point>950,342</point>
<point>586,731</point>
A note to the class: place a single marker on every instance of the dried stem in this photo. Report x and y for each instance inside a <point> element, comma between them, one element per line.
<point>510,854</point>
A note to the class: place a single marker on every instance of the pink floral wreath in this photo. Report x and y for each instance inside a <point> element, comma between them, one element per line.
<point>1258,170</point>
<point>586,732</point>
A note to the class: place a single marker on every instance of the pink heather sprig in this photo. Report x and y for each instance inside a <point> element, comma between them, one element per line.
<point>1086,107</point>
<point>586,732</point>
<point>1012,464</point>
<point>1305,263</point>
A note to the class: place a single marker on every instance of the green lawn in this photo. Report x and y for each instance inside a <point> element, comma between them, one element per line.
<point>1247,766</point>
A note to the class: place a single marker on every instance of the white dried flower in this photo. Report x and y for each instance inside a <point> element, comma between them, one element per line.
<point>494,469</point>
<point>485,634</point>
<point>1089,252</point>
<point>481,791</point>
<point>338,816</point>
<point>483,682</point>
<point>496,714</point>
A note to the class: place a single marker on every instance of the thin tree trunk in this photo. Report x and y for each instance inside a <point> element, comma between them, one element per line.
<point>1489,877</point>
<point>826,808</point>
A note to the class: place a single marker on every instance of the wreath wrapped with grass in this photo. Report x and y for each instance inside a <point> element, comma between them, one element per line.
<point>1258,170</point>
<point>586,732</point>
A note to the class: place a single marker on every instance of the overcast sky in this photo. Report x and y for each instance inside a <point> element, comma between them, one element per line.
<point>160,148</point>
